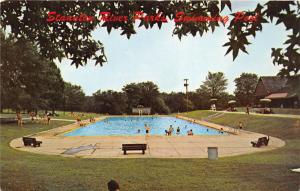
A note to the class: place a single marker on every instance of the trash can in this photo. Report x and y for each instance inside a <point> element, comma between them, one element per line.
<point>212,153</point>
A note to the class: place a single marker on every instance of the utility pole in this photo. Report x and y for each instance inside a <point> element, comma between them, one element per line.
<point>186,91</point>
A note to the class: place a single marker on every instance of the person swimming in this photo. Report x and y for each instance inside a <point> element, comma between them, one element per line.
<point>166,132</point>
<point>221,131</point>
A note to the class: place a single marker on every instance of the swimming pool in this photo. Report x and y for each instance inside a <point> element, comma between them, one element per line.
<point>131,125</point>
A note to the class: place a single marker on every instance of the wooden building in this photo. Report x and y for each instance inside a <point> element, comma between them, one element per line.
<point>282,92</point>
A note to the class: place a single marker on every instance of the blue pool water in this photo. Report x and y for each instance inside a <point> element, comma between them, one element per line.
<point>131,125</point>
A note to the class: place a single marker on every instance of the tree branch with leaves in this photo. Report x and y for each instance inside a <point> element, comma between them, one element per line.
<point>73,40</point>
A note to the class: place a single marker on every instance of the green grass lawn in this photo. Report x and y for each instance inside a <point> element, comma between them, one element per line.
<point>292,111</point>
<point>199,114</point>
<point>61,115</point>
<point>68,115</point>
<point>261,171</point>
<point>11,115</point>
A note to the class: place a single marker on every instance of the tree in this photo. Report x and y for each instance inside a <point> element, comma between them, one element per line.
<point>73,97</point>
<point>198,101</point>
<point>205,98</point>
<point>177,102</point>
<point>89,104</point>
<point>74,40</point>
<point>222,102</point>
<point>111,102</point>
<point>133,94</point>
<point>159,106</point>
<point>146,94</point>
<point>214,85</point>
<point>245,88</point>
<point>53,87</point>
<point>27,80</point>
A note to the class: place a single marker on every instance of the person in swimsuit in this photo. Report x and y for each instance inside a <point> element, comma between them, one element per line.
<point>178,131</point>
<point>241,125</point>
<point>32,115</point>
<point>78,119</point>
<point>20,120</point>
<point>171,130</point>
<point>147,129</point>
<point>166,132</point>
<point>48,118</point>
<point>247,110</point>
<point>190,132</point>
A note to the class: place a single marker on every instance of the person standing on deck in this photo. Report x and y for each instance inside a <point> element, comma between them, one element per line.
<point>178,131</point>
<point>241,125</point>
<point>247,110</point>
<point>20,119</point>
<point>147,129</point>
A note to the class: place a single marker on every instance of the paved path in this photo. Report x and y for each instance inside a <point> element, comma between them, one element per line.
<point>54,143</point>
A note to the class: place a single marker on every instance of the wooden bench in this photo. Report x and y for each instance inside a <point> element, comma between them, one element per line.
<point>28,141</point>
<point>134,147</point>
<point>263,141</point>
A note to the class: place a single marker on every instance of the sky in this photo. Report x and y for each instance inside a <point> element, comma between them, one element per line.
<point>155,55</point>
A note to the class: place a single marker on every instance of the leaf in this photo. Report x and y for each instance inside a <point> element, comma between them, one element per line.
<point>226,44</point>
<point>109,27</point>
<point>235,52</point>
<point>229,49</point>
<point>227,3</point>
<point>179,35</point>
<point>244,49</point>
<point>159,24</point>
<point>141,23</point>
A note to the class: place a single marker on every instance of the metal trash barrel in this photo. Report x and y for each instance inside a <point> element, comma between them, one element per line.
<point>212,153</point>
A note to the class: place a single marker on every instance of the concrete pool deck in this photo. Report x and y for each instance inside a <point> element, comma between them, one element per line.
<point>54,143</point>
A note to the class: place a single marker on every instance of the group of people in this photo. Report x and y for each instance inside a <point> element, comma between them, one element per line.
<point>170,131</point>
<point>92,120</point>
<point>44,119</point>
<point>147,130</point>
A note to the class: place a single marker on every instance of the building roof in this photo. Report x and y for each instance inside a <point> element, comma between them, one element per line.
<point>277,96</point>
<point>274,84</point>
